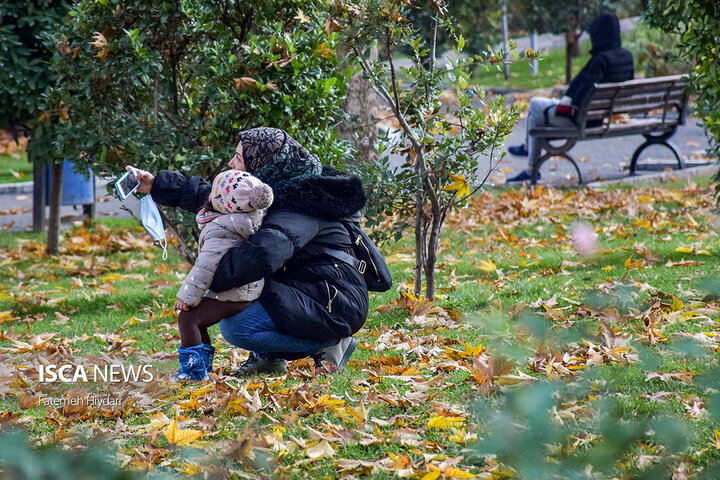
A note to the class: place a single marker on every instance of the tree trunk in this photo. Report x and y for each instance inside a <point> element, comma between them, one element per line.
<point>39,187</point>
<point>421,195</point>
<point>56,181</point>
<point>568,60</point>
<point>419,222</point>
<point>575,47</point>
<point>572,50</point>
<point>431,257</point>
<point>419,240</point>
<point>506,41</point>
<point>361,105</point>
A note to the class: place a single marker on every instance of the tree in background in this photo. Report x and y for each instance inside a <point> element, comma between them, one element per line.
<point>565,17</point>
<point>478,21</point>
<point>444,124</point>
<point>361,107</point>
<point>167,84</point>
<point>24,77</point>
<point>696,24</point>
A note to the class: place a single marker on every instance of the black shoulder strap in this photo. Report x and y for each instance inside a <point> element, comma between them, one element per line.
<point>359,265</point>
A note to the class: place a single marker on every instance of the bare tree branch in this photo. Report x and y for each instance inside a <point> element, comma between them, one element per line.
<point>393,78</point>
<point>183,247</point>
<point>433,47</point>
<point>155,95</point>
<point>169,117</point>
<point>375,83</point>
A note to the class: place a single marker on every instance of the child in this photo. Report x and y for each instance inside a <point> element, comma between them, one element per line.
<point>234,211</point>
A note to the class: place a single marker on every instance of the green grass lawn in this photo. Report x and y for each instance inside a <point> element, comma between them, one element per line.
<point>565,348</point>
<point>15,168</point>
<point>551,71</point>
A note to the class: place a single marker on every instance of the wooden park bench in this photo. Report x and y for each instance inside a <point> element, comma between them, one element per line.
<point>651,107</point>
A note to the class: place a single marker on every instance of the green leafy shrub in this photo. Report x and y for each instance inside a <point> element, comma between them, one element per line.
<point>24,70</point>
<point>696,23</point>
<point>23,57</point>
<point>655,52</point>
<point>167,85</point>
<point>19,461</point>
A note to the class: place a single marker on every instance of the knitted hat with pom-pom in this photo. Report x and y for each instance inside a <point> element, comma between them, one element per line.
<point>237,191</point>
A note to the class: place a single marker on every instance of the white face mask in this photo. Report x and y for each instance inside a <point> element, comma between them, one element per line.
<point>152,221</point>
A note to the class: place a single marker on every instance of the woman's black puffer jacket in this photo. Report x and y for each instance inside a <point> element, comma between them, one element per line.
<point>307,293</point>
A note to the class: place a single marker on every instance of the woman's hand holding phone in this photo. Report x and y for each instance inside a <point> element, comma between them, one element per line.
<point>146,179</point>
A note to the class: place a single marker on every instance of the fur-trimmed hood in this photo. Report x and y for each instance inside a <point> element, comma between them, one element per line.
<point>331,195</point>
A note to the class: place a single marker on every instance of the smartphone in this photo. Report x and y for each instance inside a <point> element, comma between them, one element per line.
<point>126,185</point>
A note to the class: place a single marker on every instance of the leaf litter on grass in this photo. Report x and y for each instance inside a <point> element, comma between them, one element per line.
<point>404,404</point>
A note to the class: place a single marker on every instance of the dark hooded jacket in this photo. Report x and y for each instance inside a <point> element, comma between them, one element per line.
<point>307,293</point>
<point>609,62</point>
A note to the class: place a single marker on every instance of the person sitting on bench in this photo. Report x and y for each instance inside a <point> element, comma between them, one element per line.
<point>609,62</point>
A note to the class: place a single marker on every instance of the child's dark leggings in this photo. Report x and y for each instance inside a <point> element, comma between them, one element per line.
<point>193,324</point>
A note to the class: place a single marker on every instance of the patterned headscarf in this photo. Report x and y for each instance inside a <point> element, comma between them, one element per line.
<point>275,157</point>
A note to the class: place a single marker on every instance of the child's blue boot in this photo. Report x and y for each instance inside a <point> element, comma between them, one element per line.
<point>192,364</point>
<point>208,352</point>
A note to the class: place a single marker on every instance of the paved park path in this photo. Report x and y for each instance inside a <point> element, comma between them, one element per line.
<point>16,206</point>
<point>606,159</point>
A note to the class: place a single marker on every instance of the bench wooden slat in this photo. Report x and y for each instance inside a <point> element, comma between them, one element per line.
<point>625,98</point>
<point>615,130</point>
<point>642,82</point>
<point>600,93</point>
<point>605,92</point>
<point>640,111</point>
<point>637,110</point>
<point>621,130</point>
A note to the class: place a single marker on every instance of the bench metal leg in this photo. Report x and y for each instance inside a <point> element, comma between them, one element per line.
<point>554,151</point>
<point>654,139</point>
<point>536,168</point>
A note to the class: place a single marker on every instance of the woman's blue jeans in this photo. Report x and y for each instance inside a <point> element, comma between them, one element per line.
<point>254,330</point>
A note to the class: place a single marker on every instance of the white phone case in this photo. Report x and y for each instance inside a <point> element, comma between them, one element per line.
<point>126,185</point>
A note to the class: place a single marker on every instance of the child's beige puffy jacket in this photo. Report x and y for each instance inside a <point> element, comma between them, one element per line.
<point>219,234</point>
